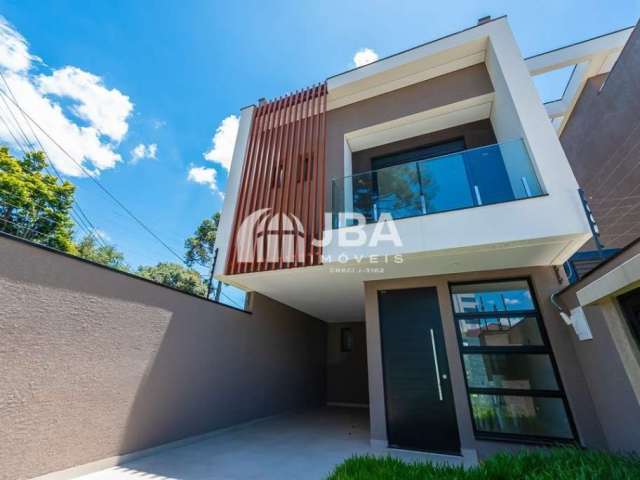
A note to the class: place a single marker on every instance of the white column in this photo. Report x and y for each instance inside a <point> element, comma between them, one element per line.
<point>232,191</point>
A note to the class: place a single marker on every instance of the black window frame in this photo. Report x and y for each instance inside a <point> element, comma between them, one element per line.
<point>544,349</point>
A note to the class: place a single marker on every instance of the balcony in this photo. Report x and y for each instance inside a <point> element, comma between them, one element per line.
<point>470,178</point>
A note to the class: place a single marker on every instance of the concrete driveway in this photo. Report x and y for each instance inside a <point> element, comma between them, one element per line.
<point>296,446</point>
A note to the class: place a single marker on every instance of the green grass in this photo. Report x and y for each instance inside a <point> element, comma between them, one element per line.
<point>553,464</point>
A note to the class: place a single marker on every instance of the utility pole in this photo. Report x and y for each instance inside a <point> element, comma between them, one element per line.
<point>213,267</point>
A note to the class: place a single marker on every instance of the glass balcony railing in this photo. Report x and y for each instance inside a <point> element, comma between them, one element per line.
<point>470,178</point>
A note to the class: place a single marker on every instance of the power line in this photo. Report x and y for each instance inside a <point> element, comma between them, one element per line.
<point>29,119</point>
<point>5,221</point>
<point>50,220</point>
<point>13,136</point>
<point>40,208</point>
<point>82,219</point>
<point>98,183</point>
<point>78,220</point>
<point>28,143</point>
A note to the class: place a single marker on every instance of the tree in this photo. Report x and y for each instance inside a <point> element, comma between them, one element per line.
<point>34,204</point>
<point>199,248</point>
<point>176,276</point>
<point>108,255</point>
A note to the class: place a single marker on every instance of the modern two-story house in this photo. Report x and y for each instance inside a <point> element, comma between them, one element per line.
<point>422,206</point>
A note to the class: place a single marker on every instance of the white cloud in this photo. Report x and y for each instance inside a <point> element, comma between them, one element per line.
<point>224,141</point>
<point>144,151</point>
<point>14,50</point>
<point>364,56</point>
<point>107,110</point>
<point>221,153</point>
<point>72,105</point>
<point>205,176</point>
<point>158,124</point>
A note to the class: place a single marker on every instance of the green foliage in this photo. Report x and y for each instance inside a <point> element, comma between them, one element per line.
<point>108,255</point>
<point>199,247</point>
<point>176,276</point>
<point>566,463</point>
<point>33,204</point>
<point>389,468</point>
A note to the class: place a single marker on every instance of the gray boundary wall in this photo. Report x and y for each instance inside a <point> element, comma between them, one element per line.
<point>95,363</point>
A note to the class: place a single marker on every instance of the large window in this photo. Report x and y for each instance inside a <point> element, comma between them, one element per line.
<point>514,389</point>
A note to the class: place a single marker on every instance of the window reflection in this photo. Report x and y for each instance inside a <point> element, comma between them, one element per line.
<point>492,297</point>
<point>510,375</point>
<point>499,331</point>
<point>512,371</point>
<point>539,416</point>
<point>398,191</point>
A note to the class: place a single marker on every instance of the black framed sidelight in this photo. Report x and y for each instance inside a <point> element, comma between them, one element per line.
<point>514,390</point>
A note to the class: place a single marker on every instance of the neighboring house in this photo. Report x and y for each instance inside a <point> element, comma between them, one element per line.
<point>465,352</point>
<point>602,142</point>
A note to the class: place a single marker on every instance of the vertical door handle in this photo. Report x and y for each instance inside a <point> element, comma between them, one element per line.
<point>436,365</point>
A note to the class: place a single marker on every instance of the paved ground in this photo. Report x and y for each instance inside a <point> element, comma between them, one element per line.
<point>291,447</point>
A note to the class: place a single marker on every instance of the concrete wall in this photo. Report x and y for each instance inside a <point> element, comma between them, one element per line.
<point>453,87</point>
<point>610,360</point>
<point>95,363</point>
<point>544,284</point>
<point>232,189</point>
<point>347,371</point>
<point>475,134</point>
<point>601,142</point>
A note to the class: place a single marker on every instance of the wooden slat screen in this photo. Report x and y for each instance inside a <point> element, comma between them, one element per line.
<point>282,185</point>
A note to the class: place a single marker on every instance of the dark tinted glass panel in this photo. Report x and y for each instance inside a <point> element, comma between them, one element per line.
<point>492,297</point>
<point>361,189</point>
<point>513,371</point>
<point>488,175</point>
<point>445,184</point>
<point>398,191</point>
<point>418,154</point>
<point>539,416</point>
<point>500,332</point>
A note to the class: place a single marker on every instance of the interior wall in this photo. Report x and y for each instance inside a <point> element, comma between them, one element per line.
<point>347,371</point>
<point>475,134</point>
<point>95,363</point>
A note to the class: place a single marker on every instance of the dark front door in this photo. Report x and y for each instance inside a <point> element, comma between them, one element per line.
<point>630,303</point>
<point>420,411</point>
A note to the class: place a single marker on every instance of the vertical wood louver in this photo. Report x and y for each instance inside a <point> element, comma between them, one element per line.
<point>280,206</point>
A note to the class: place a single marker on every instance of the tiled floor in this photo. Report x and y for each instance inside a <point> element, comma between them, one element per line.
<point>296,446</point>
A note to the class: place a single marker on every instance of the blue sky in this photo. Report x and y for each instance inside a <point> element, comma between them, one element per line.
<point>186,66</point>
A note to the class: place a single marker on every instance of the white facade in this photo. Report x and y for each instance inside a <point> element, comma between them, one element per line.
<point>540,231</point>
<point>515,110</point>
